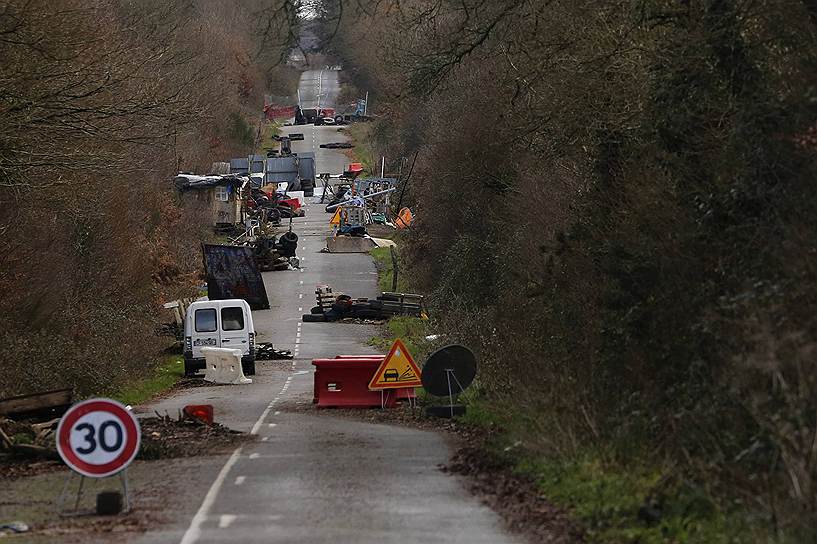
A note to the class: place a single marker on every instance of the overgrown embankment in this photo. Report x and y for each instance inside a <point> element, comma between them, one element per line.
<point>102,102</point>
<point>615,206</point>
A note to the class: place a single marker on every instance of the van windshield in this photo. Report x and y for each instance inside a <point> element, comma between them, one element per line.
<point>206,320</point>
<point>232,319</point>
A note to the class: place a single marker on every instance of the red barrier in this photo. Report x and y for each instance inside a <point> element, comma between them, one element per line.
<point>202,412</point>
<point>398,394</point>
<point>345,383</point>
<point>367,356</point>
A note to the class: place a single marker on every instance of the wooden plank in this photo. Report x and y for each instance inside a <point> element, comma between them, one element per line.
<point>36,401</point>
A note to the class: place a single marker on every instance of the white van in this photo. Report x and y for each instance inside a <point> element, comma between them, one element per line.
<point>218,324</point>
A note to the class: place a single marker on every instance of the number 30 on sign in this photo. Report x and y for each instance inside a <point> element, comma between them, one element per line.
<point>98,437</point>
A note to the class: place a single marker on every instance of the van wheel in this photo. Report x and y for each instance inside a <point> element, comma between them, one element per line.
<point>249,369</point>
<point>188,372</point>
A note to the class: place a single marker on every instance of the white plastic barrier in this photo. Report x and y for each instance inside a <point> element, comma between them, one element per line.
<point>224,366</point>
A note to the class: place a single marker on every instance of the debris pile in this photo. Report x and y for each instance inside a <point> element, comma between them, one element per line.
<point>334,307</point>
<point>266,352</point>
<point>185,436</point>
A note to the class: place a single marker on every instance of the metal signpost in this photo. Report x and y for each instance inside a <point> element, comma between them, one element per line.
<point>97,438</point>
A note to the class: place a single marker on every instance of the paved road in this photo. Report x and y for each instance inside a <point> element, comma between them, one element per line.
<point>313,478</point>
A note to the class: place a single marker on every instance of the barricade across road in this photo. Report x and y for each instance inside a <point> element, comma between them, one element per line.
<point>344,382</point>
<point>224,366</point>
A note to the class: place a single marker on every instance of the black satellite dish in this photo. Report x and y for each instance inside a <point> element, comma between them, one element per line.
<point>448,372</point>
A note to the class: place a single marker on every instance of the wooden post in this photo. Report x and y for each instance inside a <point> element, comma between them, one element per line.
<point>393,268</point>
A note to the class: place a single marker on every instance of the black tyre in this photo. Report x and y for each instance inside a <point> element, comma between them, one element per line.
<point>188,371</point>
<point>248,368</point>
<point>313,318</point>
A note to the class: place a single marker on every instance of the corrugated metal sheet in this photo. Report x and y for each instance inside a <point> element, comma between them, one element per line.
<point>280,169</point>
<point>306,166</point>
<point>241,165</point>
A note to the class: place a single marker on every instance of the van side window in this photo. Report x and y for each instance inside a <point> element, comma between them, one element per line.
<point>232,319</point>
<point>206,320</point>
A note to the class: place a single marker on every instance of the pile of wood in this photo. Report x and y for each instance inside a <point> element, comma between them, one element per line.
<point>333,306</point>
<point>28,423</point>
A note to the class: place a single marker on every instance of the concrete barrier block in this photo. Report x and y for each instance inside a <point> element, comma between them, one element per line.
<point>224,366</point>
<point>349,244</point>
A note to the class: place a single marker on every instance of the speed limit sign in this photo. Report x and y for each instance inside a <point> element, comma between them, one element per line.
<point>98,437</point>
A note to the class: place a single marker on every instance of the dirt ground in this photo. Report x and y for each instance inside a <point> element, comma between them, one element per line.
<point>173,452</point>
<point>33,500</point>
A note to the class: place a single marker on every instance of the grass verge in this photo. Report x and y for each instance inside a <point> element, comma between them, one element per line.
<point>269,130</point>
<point>167,372</point>
<point>385,271</point>
<point>617,497</point>
<point>359,135</point>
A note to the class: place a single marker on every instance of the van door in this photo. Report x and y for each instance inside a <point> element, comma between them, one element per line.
<point>235,328</point>
<point>204,331</point>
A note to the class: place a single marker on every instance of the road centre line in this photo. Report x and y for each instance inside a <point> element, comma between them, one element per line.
<point>194,531</point>
<point>240,480</point>
<point>226,520</point>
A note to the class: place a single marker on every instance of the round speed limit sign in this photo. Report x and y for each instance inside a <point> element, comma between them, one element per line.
<point>98,437</point>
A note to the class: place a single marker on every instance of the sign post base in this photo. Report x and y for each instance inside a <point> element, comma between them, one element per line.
<point>75,511</point>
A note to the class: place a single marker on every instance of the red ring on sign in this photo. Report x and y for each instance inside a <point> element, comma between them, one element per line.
<point>112,467</point>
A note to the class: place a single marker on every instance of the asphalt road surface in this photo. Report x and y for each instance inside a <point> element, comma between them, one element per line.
<point>314,478</point>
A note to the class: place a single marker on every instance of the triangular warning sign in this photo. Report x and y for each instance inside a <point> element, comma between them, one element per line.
<point>335,218</point>
<point>397,370</point>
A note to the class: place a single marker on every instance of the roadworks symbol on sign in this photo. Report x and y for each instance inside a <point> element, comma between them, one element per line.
<point>397,370</point>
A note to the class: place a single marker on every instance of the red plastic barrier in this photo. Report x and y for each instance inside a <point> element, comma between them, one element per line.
<point>202,412</point>
<point>345,383</point>
<point>398,394</point>
<point>367,356</point>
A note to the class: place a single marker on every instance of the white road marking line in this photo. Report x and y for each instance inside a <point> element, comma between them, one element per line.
<point>278,413</point>
<point>240,480</point>
<point>301,282</point>
<point>225,520</point>
<point>265,439</point>
<point>300,309</point>
<point>300,295</point>
<point>297,340</point>
<point>255,455</point>
<point>273,425</point>
<point>302,372</point>
<point>298,334</point>
<point>194,531</point>
<point>261,419</point>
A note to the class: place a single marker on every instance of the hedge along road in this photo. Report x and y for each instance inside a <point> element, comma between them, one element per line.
<point>314,478</point>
